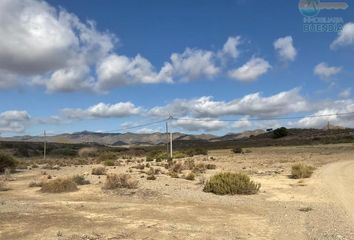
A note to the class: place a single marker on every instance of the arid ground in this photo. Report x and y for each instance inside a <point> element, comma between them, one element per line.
<point>320,207</point>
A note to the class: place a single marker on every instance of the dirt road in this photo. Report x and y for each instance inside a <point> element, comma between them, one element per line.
<point>338,178</point>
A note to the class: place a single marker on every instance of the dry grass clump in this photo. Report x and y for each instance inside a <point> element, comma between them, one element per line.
<point>59,185</point>
<point>190,176</point>
<point>98,171</point>
<point>231,183</point>
<point>3,185</point>
<point>210,166</point>
<point>35,184</point>
<point>199,168</point>
<point>151,177</point>
<point>114,181</point>
<point>80,180</point>
<point>108,163</point>
<point>301,170</point>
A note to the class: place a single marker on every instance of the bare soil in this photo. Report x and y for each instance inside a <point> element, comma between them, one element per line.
<point>320,207</point>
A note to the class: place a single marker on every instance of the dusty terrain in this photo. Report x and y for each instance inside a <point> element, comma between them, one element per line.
<point>320,207</point>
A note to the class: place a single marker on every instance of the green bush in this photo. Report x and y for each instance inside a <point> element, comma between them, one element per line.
<point>6,161</point>
<point>59,185</point>
<point>156,155</point>
<point>179,155</point>
<point>195,151</point>
<point>301,171</point>
<point>231,183</point>
<point>65,152</point>
<point>280,132</point>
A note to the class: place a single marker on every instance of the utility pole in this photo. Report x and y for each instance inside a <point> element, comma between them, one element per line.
<point>171,152</point>
<point>171,149</point>
<point>167,150</point>
<point>45,146</point>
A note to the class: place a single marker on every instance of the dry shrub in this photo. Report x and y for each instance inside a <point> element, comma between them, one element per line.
<point>98,171</point>
<point>173,174</point>
<point>35,184</point>
<point>188,164</point>
<point>199,168</point>
<point>88,152</point>
<point>59,185</point>
<point>176,167</point>
<point>108,163</point>
<point>231,183</point>
<point>114,181</point>
<point>151,177</point>
<point>301,171</point>
<point>210,166</point>
<point>80,180</point>
<point>190,176</point>
<point>3,185</point>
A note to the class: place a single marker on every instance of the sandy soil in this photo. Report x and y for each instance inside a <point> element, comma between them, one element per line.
<point>168,208</point>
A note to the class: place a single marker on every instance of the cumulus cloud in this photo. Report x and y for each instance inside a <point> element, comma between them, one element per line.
<point>102,110</point>
<point>253,105</point>
<point>324,71</point>
<point>345,37</point>
<point>230,48</point>
<point>337,113</point>
<point>285,48</point>
<point>14,121</point>
<point>251,70</point>
<point>47,46</point>
<point>117,70</point>
<point>193,64</point>
<point>205,124</point>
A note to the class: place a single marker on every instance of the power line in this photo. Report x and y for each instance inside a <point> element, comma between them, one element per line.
<point>262,119</point>
<point>137,126</point>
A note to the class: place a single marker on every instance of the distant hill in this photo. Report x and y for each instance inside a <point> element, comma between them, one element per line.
<point>255,138</point>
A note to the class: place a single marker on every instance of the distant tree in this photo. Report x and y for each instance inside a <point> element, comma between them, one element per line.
<point>280,132</point>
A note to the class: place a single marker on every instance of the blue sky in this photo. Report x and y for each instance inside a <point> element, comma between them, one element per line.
<point>63,58</point>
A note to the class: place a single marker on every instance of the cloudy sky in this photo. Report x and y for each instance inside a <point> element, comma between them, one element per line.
<point>68,66</point>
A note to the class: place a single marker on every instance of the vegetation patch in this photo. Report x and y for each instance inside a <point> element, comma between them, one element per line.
<point>231,183</point>
<point>6,162</point>
<point>108,163</point>
<point>98,171</point>
<point>115,181</point>
<point>80,180</point>
<point>237,150</point>
<point>280,132</point>
<point>59,185</point>
<point>190,176</point>
<point>301,171</point>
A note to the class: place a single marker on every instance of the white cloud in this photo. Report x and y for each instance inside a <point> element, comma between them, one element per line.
<point>102,110</point>
<point>251,70</point>
<point>205,124</point>
<point>230,48</point>
<point>243,122</point>
<point>285,48</point>
<point>253,105</point>
<point>346,93</point>
<point>345,37</point>
<point>14,121</point>
<point>117,70</point>
<point>193,64</point>
<point>324,71</point>
<point>328,114</point>
<point>51,47</point>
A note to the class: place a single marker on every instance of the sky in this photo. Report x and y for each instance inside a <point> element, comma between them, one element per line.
<point>215,66</point>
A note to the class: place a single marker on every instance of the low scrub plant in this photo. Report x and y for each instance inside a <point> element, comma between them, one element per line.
<point>108,163</point>
<point>237,150</point>
<point>3,185</point>
<point>80,180</point>
<point>231,183</point>
<point>190,176</point>
<point>301,170</point>
<point>59,185</point>
<point>6,162</point>
<point>115,181</point>
<point>99,171</point>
